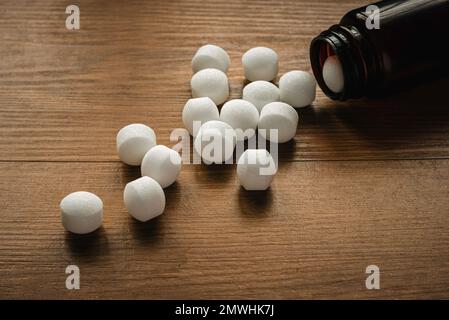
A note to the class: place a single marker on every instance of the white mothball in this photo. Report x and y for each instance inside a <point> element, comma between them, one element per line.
<point>333,74</point>
<point>240,114</point>
<point>81,212</point>
<point>210,56</point>
<point>211,83</point>
<point>144,198</point>
<point>297,88</point>
<point>215,142</point>
<point>200,110</point>
<point>256,169</point>
<point>281,117</point>
<point>260,93</point>
<point>162,164</point>
<point>133,141</point>
<point>260,63</point>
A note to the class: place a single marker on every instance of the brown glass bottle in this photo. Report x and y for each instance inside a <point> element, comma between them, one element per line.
<point>409,46</point>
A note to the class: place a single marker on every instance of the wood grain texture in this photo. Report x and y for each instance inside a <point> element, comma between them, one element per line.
<point>64,95</point>
<point>363,182</point>
<point>308,237</point>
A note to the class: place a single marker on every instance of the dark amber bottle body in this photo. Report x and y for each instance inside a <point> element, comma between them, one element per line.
<point>408,47</point>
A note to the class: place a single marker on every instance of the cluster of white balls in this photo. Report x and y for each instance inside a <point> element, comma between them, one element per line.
<point>82,212</point>
<point>263,106</point>
<point>160,167</point>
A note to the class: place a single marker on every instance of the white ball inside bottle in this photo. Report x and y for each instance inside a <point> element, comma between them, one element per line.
<point>333,74</point>
<point>260,63</point>
<point>198,111</point>
<point>133,141</point>
<point>256,169</point>
<point>212,83</point>
<point>210,56</point>
<point>281,118</point>
<point>162,164</point>
<point>297,88</point>
<point>144,198</point>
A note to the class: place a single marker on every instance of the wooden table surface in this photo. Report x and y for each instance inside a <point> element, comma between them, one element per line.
<point>363,182</point>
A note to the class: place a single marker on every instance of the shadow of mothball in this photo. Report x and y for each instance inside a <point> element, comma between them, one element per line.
<point>215,142</point>
<point>280,117</point>
<point>162,164</point>
<point>333,74</point>
<point>133,141</point>
<point>81,212</point>
<point>200,110</point>
<point>297,88</point>
<point>260,63</point>
<point>242,116</point>
<point>260,93</point>
<point>210,56</point>
<point>211,83</point>
<point>144,198</point>
<point>256,169</point>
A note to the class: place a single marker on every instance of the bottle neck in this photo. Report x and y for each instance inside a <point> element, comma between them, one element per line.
<point>357,61</point>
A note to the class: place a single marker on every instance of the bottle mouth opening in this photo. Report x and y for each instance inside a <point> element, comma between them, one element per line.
<point>337,41</point>
<point>321,48</point>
